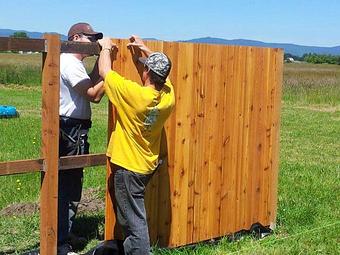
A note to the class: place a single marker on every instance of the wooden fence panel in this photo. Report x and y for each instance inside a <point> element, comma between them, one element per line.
<point>221,146</point>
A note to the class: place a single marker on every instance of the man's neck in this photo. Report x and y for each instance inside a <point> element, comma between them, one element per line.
<point>154,86</point>
<point>148,83</point>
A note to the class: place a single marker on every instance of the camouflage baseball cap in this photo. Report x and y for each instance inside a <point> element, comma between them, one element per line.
<point>159,63</point>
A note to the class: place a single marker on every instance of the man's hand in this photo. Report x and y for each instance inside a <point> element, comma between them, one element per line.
<point>106,43</point>
<point>136,41</point>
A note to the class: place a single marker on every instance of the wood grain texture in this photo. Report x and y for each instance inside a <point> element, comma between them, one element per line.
<point>220,171</point>
<point>50,146</point>
<point>22,44</point>
<point>65,163</point>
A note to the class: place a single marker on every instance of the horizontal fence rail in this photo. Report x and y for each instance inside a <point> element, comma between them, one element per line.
<point>39,45</point>
<point>21,44</point>
<point>36,165</point>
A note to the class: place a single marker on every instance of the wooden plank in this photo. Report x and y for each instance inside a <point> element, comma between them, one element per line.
<point>36,165</point>
<point>190,137</point>
<point>254,140</point>
<point>110,217</point>
<point>265,121</point>
<point>214,103</point>
<point>233,188</point>
<point>275,136</point>
<point>254,147</point>
<point>224,140</point>
<point>163,204</point>
<point>166,188</point>
<point>22,44</point>
<point>38,45</point>
<point>270,67</point>
<point>182,141</point>
<point>246,172</point>
<point>199,95</point>
<point>228,185</point>
<point>80,161</point>
<point>239,134</point>
<point>50,145</point>
<point>200,175</point>
<point>20,166</point>
<point>90,48</point>
<point>194,149</point>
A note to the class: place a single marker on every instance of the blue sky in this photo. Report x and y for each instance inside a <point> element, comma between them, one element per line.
<point>306,22</point>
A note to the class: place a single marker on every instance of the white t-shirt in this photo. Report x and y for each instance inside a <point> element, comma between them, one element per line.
<point>72,104</point>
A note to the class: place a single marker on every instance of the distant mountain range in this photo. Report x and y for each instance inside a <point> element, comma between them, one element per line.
<point>34,35</point>
<point>294,49</point>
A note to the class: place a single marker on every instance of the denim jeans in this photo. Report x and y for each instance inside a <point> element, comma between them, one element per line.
<point>131,215</point>
<point>72,141</point>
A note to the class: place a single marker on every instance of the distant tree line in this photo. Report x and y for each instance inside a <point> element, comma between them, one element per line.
<point>19,34</point>
<point>315,58</point>
<point>321,59</point>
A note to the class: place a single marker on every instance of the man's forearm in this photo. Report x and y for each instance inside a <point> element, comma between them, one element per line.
<point>99,92</point>
<point>96,92</point>
<point>104,62</point>
<point>94,75</point>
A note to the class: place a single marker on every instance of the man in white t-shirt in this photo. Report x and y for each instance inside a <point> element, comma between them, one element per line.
<point>77,90</point>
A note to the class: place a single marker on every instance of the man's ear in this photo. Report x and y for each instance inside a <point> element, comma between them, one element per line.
<point>76,37</point>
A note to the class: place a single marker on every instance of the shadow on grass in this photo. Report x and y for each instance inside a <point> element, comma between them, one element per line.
<point>88,227</point>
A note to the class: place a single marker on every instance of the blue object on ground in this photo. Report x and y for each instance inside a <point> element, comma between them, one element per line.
<point>7,111</point>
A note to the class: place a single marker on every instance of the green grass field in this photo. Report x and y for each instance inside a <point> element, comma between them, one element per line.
<point>308,219</point>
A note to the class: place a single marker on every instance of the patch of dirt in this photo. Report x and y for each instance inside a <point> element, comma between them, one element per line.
<point>19,209</point>
<point>89,203</point>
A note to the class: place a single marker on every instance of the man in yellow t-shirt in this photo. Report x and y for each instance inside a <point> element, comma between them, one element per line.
<point>134,146</point>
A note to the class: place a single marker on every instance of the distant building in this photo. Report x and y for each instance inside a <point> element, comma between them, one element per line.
<point>290,60</point>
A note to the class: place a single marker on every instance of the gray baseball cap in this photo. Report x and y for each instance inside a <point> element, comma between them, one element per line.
<point>157,62</point>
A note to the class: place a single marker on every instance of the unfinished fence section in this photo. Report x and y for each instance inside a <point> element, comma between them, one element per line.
<point>222,142</point>
<point>50,47</point>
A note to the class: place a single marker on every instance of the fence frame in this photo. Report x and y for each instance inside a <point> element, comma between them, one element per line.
<point>49,163</point>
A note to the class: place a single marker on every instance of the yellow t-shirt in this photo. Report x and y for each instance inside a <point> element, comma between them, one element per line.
<point>142,112</point>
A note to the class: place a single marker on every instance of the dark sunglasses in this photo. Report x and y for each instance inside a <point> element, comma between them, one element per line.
<point>91,38</point>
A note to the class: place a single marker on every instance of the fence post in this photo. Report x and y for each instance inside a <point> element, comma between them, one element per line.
<point>50,146</point>
<point>111,226</point>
